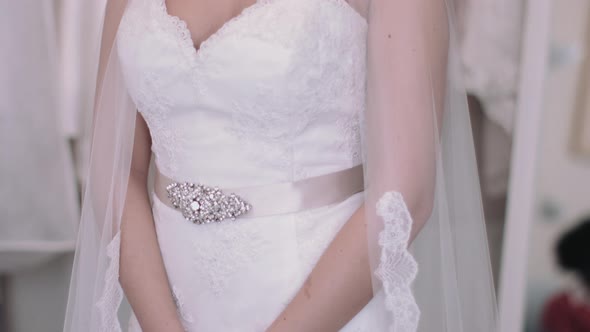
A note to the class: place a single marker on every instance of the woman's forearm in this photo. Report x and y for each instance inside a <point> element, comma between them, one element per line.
<point>338,287</point>
<point>340,284</point>
<point>142,273</point>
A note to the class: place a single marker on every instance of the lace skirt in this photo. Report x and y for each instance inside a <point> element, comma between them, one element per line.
<point>240,275</point>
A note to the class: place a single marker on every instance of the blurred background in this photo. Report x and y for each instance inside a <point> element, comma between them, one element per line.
<point>527,72</point>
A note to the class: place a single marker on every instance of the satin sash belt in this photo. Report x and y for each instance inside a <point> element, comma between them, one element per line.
<point>202,204</point>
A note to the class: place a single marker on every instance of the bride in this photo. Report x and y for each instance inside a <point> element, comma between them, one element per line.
<point>309,155</point>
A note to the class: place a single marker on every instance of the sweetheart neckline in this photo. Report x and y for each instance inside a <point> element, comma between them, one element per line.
<point>196,51</point>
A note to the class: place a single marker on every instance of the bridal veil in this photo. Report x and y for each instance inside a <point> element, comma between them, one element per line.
<point>424,216</point>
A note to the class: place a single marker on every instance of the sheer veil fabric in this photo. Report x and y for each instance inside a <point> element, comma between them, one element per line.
<point>421,182</point>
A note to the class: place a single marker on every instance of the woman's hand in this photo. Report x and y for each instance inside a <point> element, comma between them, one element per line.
<point>337,288</point>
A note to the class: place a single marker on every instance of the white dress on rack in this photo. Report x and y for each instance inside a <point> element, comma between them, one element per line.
<point>276,95</point>
<point>38,198</point>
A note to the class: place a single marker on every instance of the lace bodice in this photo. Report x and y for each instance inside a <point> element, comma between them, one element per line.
<point>278,76</point>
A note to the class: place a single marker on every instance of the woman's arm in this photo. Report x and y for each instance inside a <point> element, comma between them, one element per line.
<point>338,287</point>
<point>406,64</point>
<point>142,273</point>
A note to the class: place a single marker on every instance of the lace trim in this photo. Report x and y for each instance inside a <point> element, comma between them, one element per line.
<point>184,33</point>
<point>397,268</point>
<point>350,127</point>
<point>185,36</point>
<point>112,294</point>
<point>180,30</point>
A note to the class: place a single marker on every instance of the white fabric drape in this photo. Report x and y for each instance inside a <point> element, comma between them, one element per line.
<point>79,24</point>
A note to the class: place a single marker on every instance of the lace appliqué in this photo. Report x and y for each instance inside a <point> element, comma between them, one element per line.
<point>270,123</point>
<point>267,143</point>
<point>350,127</point>
<point>267,123</point>
<point>269,114</point>
<point>228,248</point>
<point>112,293</point>
<point>397,268</point>
<point>148,87</point>
<point>155,107</point>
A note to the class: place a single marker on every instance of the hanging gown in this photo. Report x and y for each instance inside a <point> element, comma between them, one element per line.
<point>38,198</point>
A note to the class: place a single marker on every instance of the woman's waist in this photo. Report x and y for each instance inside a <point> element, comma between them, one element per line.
<point>224,157</point>
<point>207,201</point>
<point>230,166</point>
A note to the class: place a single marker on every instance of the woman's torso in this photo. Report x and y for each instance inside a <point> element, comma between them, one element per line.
<point>276,95</point>
<point>277,92</point>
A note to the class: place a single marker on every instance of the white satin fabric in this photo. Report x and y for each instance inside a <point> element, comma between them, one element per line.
<point>277,94</point>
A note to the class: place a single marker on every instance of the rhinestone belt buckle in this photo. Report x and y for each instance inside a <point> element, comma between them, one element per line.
<point>203,205</point>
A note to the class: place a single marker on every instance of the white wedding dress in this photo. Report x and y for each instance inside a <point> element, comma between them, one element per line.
<point>277,94</point>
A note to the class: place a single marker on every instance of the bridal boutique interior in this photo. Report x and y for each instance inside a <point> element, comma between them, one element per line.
<point>45,102</point>
<point>526,70</point>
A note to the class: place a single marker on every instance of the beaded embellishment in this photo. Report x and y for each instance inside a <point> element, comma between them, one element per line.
<point>201,204</point>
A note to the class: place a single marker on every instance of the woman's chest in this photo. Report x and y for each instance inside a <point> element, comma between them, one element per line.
<point>278,60</point>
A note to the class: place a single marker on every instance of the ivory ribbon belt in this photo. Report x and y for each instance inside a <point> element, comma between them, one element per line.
<point>203,204</point>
